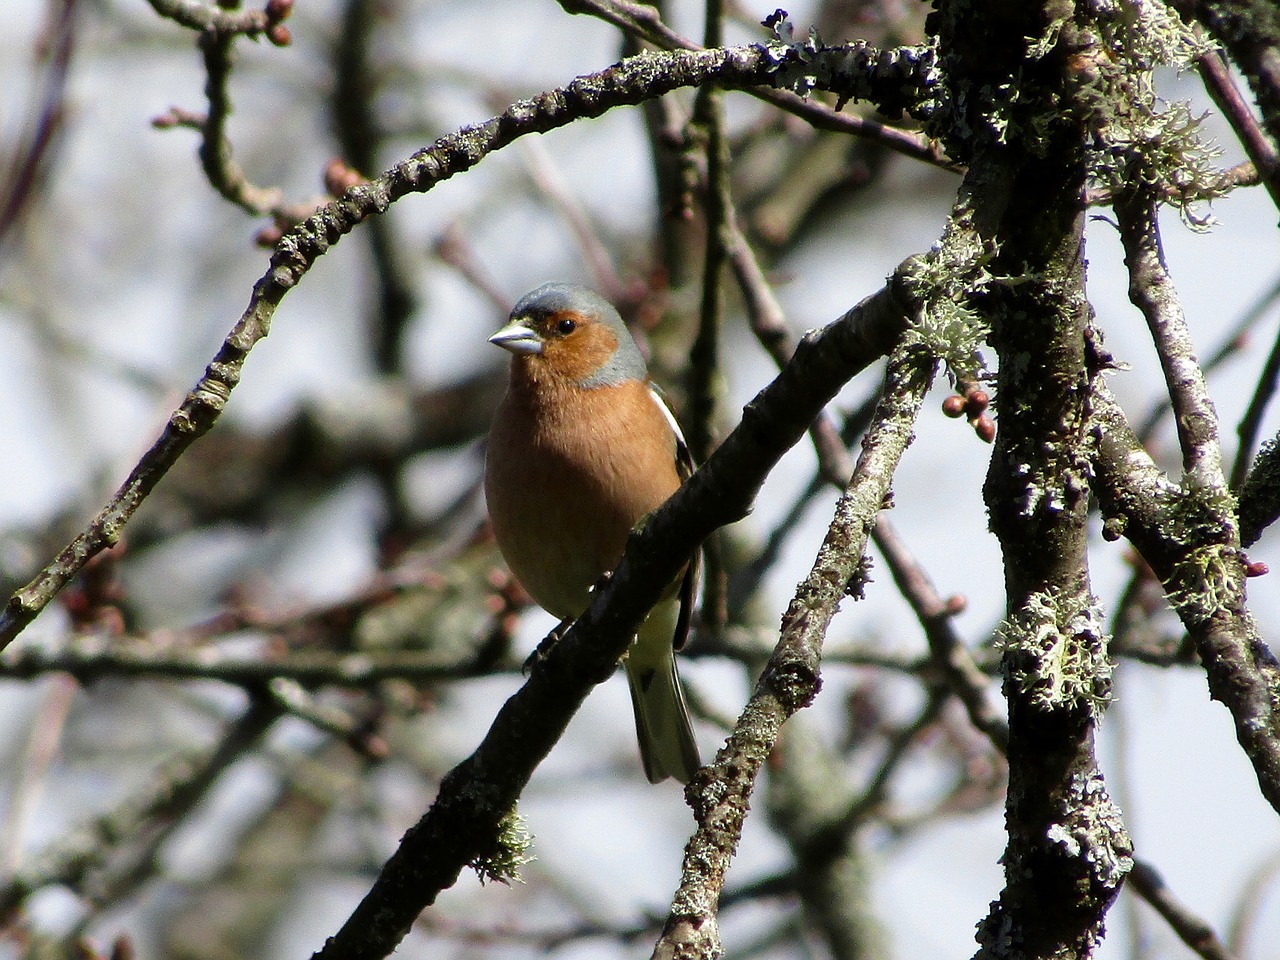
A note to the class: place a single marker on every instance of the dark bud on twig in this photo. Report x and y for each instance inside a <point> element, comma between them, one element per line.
<point>178,117</point>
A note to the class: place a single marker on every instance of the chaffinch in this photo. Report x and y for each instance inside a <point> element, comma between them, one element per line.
<point>582,448</point>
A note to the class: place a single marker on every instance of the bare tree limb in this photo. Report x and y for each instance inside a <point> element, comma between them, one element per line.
<point>721,792</point>
<point>1199,562</point>
<point>1152,291</point>
<point>633,81</point>
<point>1193,930</point>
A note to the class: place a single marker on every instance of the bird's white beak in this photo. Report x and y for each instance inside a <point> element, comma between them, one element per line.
<point>517,338</point>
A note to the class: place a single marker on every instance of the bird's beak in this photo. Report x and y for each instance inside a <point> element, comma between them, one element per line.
<point>517,338</point>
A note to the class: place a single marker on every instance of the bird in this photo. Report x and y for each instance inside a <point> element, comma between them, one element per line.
<point>582,448</point>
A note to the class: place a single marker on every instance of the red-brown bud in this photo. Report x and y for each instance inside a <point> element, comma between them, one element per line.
<point>277,10</point>
<point>976,403</point>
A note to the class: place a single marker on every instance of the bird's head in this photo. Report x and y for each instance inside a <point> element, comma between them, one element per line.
<point>569,333</point>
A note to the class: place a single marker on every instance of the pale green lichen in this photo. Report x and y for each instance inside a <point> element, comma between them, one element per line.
<point>946,325</point>
<point>1204,582</point>
<point>510,851</point>
<point>1039,47</point>
<point>1092,829</point>
<point>1145,142</point>
<point>1055,652</point>
<point>1158,147</point>
<point>1147,34</point>
<point>1208,577</point>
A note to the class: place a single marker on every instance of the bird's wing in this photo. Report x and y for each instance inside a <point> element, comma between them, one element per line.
<point>689,583</point>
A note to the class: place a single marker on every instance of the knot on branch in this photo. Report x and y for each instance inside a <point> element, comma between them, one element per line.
<point>794,681</point>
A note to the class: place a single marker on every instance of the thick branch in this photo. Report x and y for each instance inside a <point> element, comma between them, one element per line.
<point>1180,534</point>
<point>462,824</point>
<point>1067,850</point>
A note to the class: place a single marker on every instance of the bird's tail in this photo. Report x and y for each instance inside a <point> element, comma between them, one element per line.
<point>667,747</point>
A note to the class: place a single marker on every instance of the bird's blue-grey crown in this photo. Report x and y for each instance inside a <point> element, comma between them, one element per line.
<point>555,297</point>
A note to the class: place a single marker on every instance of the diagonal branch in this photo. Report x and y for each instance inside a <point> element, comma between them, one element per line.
<point>1151,290</point>
<point>462,825</point>
<point>645,22</point>
<point>721,793</point>
<point>1250,32</point>
<point>635,80</point>
<point>1179,533</point>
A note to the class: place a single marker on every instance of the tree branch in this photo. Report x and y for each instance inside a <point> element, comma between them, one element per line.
<point>1152,291</point>
<point>1188,541</point>
<point>462,825</point>
<point>855,69</point>
<point>721,792</point>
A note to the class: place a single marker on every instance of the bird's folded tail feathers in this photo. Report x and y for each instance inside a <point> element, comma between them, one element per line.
<point>667,746</point>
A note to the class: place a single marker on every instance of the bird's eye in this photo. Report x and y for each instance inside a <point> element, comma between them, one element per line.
<point>565,327</point>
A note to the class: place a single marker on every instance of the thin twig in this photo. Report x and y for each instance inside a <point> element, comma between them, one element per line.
<point>542,170</point>
<point>213,18</point>
<point>1232,343</point>
<point>1250,904</point>
<point>356,671</point>
<point>32,157</point>
<point>216,156</point>
<point>704,356</point>
<point>963,675</point>
<point>1201,567</point>
<point>1193,930</point>
<point>88,859</point>
<point>1262,152</point>
<point>1151,290</point>
<point>360,136</point>
<point>1251,420</point>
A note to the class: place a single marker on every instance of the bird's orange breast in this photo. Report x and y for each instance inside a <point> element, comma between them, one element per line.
<point>569,472</point>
